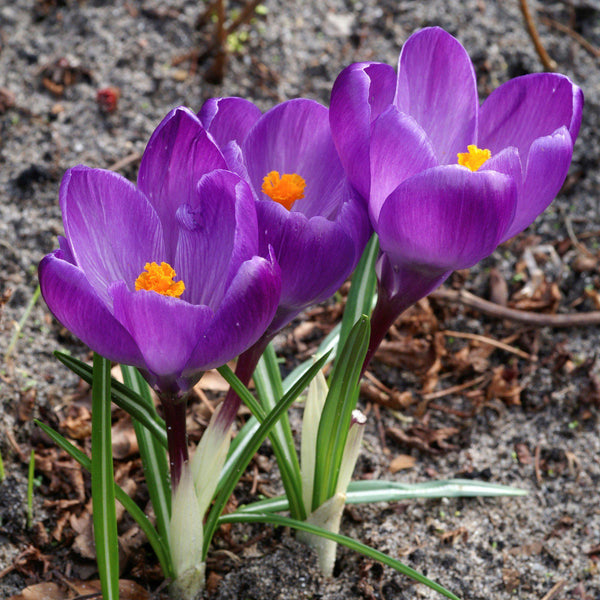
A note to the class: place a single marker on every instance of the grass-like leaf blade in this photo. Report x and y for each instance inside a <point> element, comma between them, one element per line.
<point>122,396</point>
<point>337,412</point>
<point>257,439</point>
<point>368,491</point>
<point>362,290</point>
<point>103,482</point>
<point>152,453</point>
<point>269,388</point>
<point>289,477</point>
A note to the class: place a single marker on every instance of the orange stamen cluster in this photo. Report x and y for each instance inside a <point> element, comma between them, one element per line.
<point>474,158</point>
<point>159,278</point>
<point>285,189</point>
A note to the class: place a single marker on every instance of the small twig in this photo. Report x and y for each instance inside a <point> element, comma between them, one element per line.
<point>512,314</point>
<point>548,63</point>
<point>454,389</point>
<point>490,342</point>
<point>576,36</point>
<point>571,233</point>
<point>556,589</point>
<point>15,446</point>
<point>125,161</point>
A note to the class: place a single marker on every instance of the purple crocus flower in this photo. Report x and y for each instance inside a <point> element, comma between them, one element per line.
<point>164,275</point>
<point>447,180</point>
<point>308,212</point>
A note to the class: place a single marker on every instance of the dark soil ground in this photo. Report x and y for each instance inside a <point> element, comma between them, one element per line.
<point>526,415</point>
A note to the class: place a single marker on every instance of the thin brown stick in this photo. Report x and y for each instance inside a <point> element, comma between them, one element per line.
<point>556,589</point>
<point>548,63</point>
<point>571,233</point>
<point>125,161</point>
<point>454,389</point>
<point>490,342</point>
<point>576,36</point>
<point>520,316</point>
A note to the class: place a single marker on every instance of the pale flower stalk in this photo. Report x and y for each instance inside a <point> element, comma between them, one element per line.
<point>328,515</point>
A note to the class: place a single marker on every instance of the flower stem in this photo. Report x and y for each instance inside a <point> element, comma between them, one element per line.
<point>246,364</point>
<point>176,436</point>
<point>412,287</point>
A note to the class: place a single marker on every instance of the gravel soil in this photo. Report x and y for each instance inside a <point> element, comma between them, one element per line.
<point>54,58</point>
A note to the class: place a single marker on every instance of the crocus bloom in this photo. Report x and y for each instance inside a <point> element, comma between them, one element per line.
<point>314,220</point>
<point>164,275</point>
<point>307,211</point>
<point>447,179</point>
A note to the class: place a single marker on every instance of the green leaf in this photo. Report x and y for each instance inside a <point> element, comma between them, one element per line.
<point>257,439</point>
<point>152,453</point>
<point>31,472</point>
<point>269,388</point>
<point>327,346</point>
<point>238,447</point>
<point>158,544</point>
<point>291,482</point>
<point>278,520</point>
<point>387,491</point>
<point>368,491</point>
<point>103,488</point>
<point>337,412</point>
<point>362,290</point>
<point>123,397</point>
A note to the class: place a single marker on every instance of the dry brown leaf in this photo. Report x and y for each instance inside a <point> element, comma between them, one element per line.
<point>41,591</point>
<point>511,579</point>
<point>523,454</point>
<point>402,461</point>
<point>124,440</point>
<point>451,537</point>
<point>504,387</point>
<point>78,423</point>
<point>212,382</point>
<point>128,590</point>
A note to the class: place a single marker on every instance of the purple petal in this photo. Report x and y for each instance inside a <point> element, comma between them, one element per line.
<point>111,227</point>
<point>218,232</point>
<point>508,162</point>
<point>78,307</point>
<point>243,316</point>
<point>437,86</point>
<point>547,167</point>
<point>446,218</point>
<point>294,137</point>
<point>315,255</point>
<point>228,119</point>
<point>165,329</point>
<point>353,218</point>
<point>360,94</point>
<point>399,149</point>
<point>235,159</point>
<point>179,152</point>
<point>401,286</point>
<point>527,108</point>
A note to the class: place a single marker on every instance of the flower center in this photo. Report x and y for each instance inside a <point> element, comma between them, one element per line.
<point>474,158</point>
<point>159,278</point>
<point>285,189</point>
